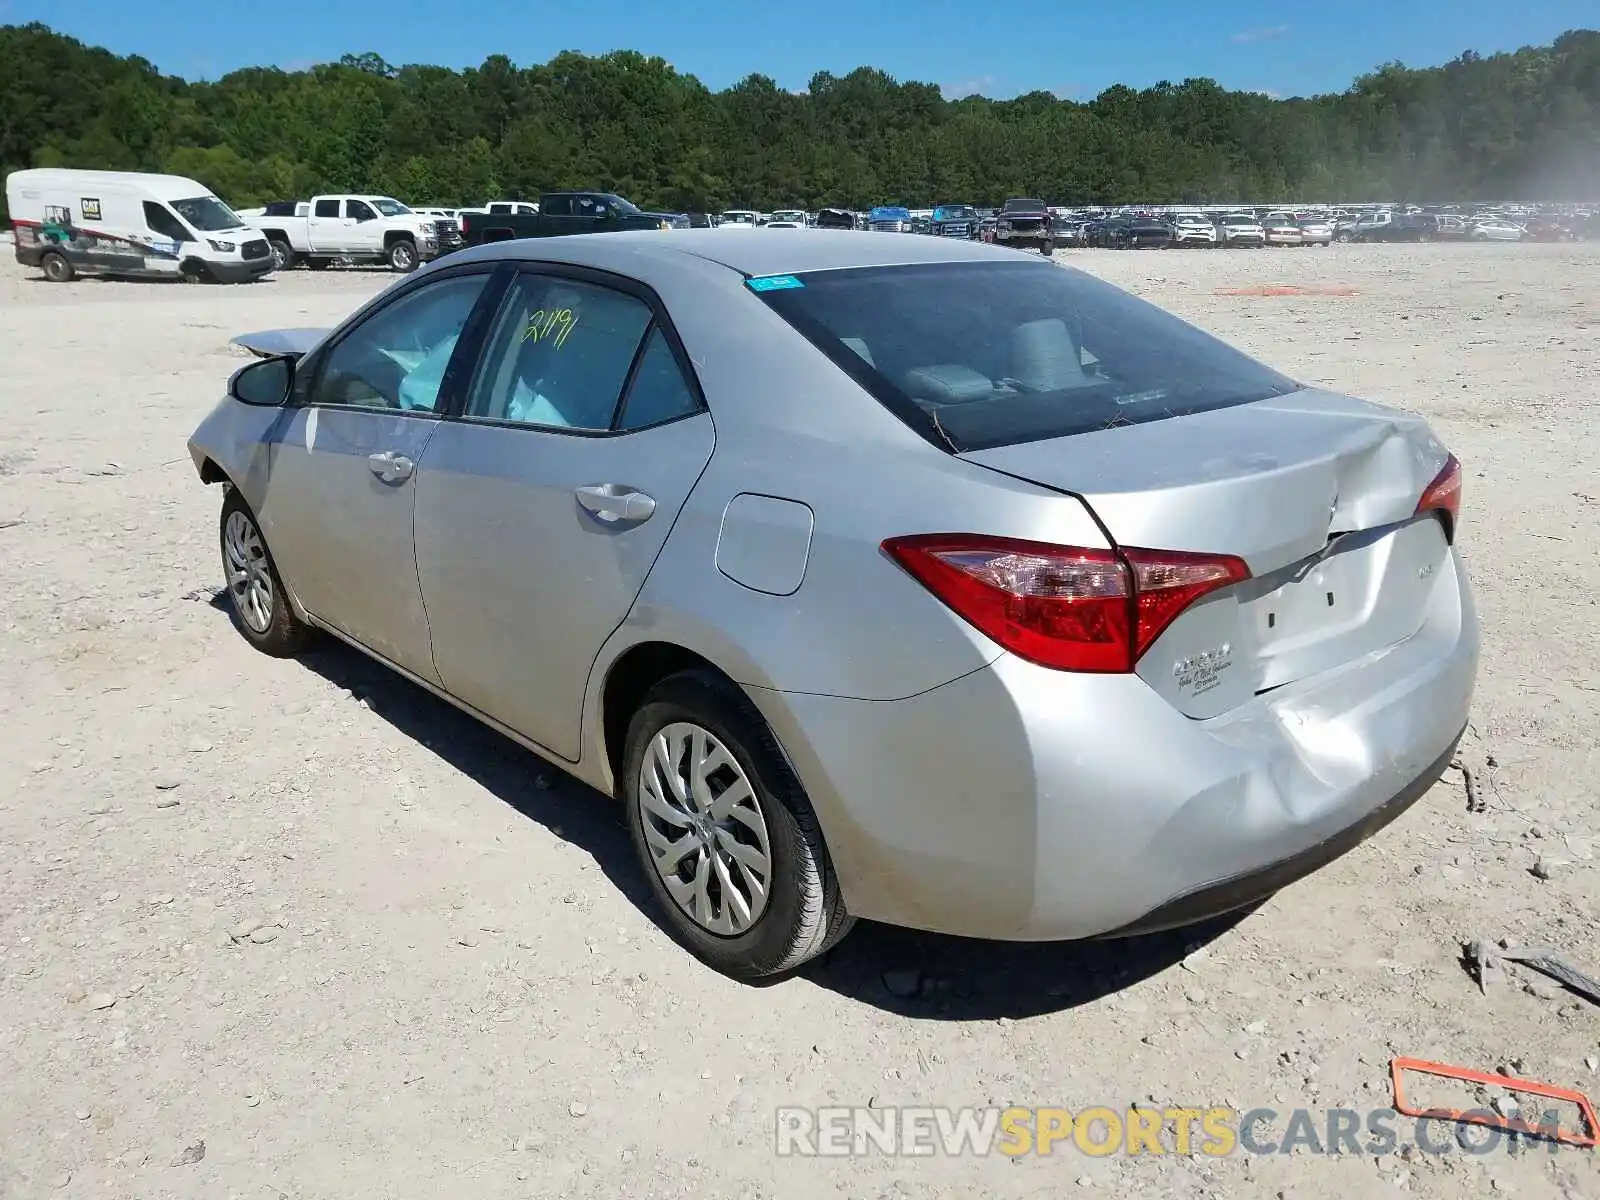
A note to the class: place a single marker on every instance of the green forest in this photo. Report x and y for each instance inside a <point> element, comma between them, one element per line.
<point>1523,125</point>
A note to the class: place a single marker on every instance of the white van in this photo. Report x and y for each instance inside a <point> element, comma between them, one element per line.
<point>122,223</point>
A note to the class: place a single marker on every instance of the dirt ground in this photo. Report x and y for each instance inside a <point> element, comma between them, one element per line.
<point>443,983</point>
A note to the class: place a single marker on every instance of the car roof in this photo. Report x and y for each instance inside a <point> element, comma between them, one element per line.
<point>823,250</point>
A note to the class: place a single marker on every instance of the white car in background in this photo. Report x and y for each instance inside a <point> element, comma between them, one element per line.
<point>1497,229</point>
<point>1193,229</point>
<point>740,218</point>
<point>1240,229</point>
<point>783,225</point>
<point>789,216</point>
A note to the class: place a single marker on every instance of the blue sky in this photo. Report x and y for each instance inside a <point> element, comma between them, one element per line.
<point>1285,48</point>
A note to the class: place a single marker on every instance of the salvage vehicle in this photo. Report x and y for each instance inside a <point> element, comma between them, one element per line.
<point>1315,231</point>
<point>1025,225</point>
<point>562,213</point>
<point>122,223</point>
<point>347,228</point>
<point>954,221</point>
<point>836,218</point>
<point>1193,229</point>
<point>1497,229</point>
<point>1281,229</point>
<point>1138,233</point>
<point>789,216</point>
<point>889,218</point>
<point>740,218</point>
<point>892,635</point>
<point>1240,229</point>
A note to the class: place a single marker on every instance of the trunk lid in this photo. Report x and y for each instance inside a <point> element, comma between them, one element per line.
<point>1315,492</point>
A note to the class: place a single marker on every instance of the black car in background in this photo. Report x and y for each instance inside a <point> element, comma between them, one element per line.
<point>954,220</point>
<point>836,218</point>
<point>1143,233</point>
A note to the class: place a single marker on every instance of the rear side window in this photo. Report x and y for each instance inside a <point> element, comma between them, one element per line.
<point>980,354</point>
<point>327,208</point>
<point>559,354</point>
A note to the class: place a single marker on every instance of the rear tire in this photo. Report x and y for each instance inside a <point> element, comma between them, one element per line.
<point>257,602</point>
<point>1047,249</point>
<point>800,913</point>
<point>57,269</point>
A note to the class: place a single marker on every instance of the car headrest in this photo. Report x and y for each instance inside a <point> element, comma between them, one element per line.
<point>948,383</point>
<point>1044,357</point>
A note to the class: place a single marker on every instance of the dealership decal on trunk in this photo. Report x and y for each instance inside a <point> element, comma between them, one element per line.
<point>1199,673</point>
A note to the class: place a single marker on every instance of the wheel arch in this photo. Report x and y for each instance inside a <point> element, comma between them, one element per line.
<point>624,685</point>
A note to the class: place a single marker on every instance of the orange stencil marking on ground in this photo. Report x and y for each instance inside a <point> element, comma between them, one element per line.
<point>1527,1087</point>
<point>1287,289</point>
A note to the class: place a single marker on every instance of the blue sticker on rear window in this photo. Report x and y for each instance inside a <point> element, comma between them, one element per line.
<point>772,283</point>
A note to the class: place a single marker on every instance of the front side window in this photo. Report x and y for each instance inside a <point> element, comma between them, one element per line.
<point>359,210</point>
<point>207,214</point>
<point>559,354</point>
<point>396,359</point>
<point>163,224</point>
<point>390,208</point>
<point>1033,351</point>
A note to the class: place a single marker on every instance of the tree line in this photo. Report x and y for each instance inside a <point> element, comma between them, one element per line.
<point>1522,125</point>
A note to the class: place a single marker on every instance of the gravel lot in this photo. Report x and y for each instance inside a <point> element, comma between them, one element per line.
<point>442,982</point>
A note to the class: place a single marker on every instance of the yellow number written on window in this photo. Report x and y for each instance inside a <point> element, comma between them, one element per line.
<point>552,326</point>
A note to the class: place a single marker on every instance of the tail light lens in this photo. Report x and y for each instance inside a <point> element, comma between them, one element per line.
<point>1444,494</point>
<point>1065,607</point>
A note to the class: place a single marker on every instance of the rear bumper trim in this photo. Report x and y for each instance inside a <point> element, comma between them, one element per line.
<point>1229,895</point>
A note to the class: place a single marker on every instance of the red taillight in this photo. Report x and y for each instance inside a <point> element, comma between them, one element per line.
<point>1444,493</point>
<point>1062,606</point>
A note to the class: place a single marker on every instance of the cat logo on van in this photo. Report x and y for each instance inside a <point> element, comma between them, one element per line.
<point>90,208</point>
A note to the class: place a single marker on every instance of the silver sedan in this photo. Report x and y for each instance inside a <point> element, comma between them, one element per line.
<point>911,579</point>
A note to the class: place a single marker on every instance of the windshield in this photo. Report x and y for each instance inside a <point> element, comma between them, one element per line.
<point>954,212</point>
<point>1039,351</point>
<point>389,208</point>
<point>1238,219</point>
<point>789,214</point>
<point>738,218</point>
<point>207,214</point>
<point>1024,206</point>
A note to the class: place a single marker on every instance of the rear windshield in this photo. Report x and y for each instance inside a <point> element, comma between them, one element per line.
<point>980,354</point>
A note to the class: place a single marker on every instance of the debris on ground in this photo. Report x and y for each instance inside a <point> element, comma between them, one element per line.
<point>1506,1114</point>
<point>1483,958</point>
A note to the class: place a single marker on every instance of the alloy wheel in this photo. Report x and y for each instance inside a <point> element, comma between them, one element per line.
<point>705,830</point>
<point>249,575</point>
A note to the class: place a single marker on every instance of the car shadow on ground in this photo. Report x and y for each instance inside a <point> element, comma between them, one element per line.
<point>906,972</point>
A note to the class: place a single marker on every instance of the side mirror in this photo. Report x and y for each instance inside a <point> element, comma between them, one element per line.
<point>264,384</point>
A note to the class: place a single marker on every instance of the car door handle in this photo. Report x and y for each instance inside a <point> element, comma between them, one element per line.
<point>391,467</point>
<point>614,503</point>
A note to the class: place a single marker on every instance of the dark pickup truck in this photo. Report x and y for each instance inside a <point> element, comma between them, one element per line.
<point>566,212</point>
<point>1023,223</point>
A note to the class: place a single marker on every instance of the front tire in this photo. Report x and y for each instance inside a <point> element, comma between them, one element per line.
<point>283,256</point>
<point>403,255</point>
<point>729,844</point>
<point>257,601</point>
<point>56,268</point>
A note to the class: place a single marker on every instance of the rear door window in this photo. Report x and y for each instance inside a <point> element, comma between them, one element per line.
<point>559,354</point>
<point>980,354</point>
<point>327,208</point>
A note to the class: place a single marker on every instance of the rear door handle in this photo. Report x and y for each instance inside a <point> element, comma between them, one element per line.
<point>614,503</point>
<point>390,466</point>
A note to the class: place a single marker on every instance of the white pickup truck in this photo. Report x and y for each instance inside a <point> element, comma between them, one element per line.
<point>327,229</point>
